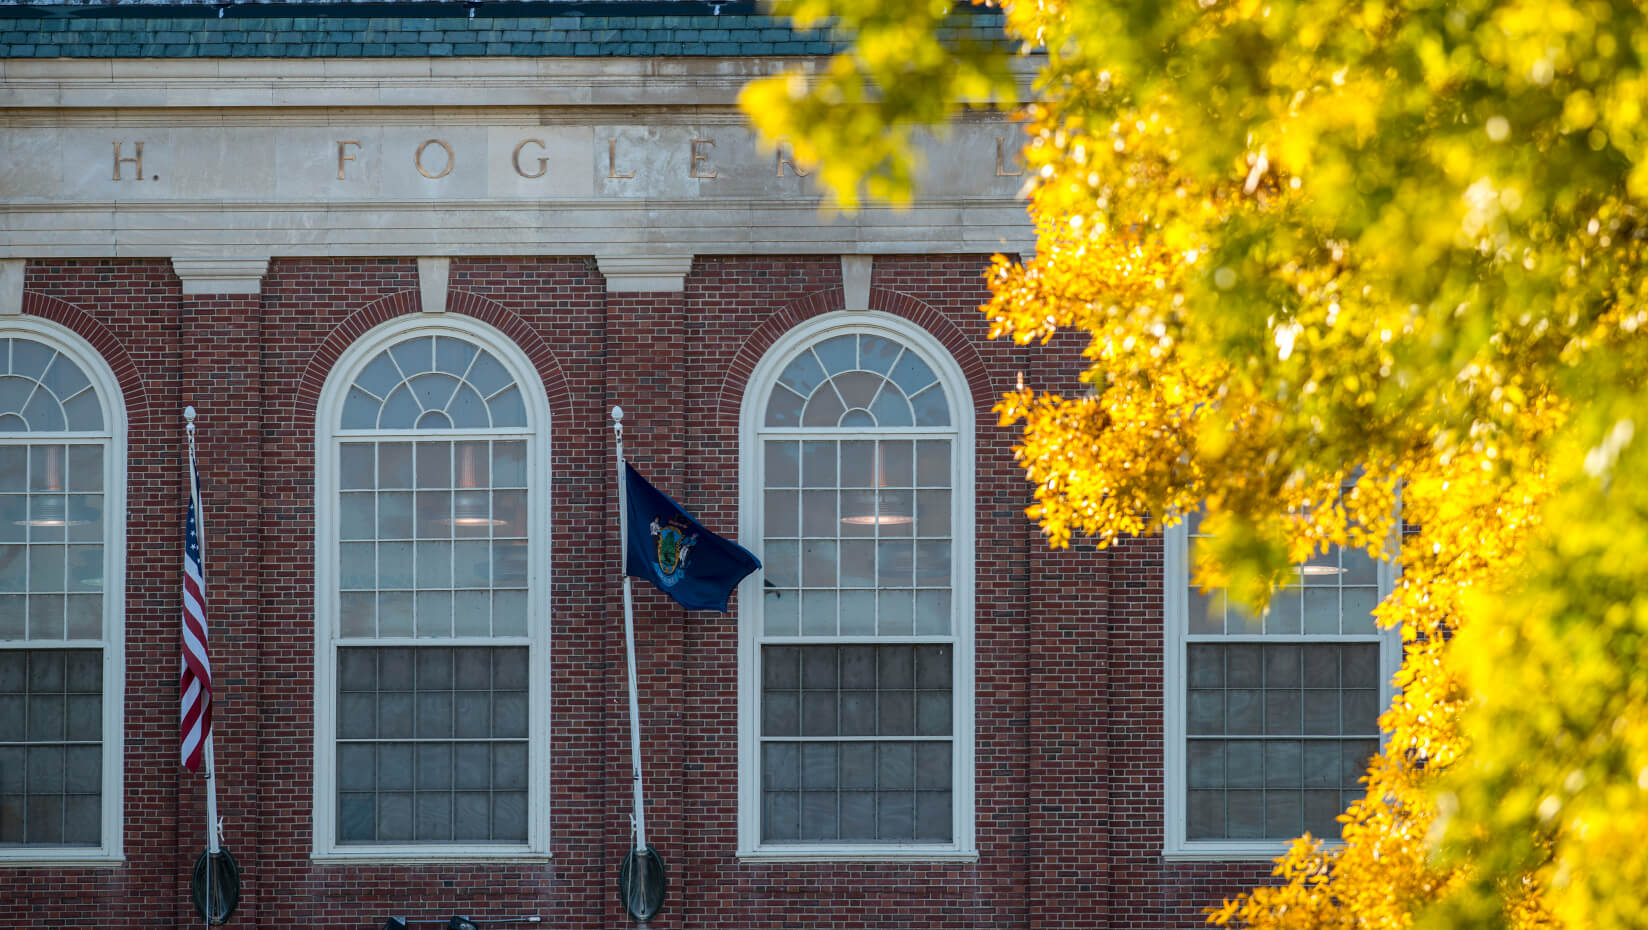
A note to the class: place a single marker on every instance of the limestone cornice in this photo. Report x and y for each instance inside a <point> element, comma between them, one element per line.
<point>585,227</point>
<point>221,275</point>
<point>392,82</point>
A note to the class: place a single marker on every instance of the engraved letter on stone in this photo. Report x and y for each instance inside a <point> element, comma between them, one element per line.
<point>1001,163</point>
<point>417,159</point>
<point>136,161</point>
<point>612,161</point>
<point>700,158</point>
<point>343,157</point>
<point>780,160</point>
<point>515,159</point>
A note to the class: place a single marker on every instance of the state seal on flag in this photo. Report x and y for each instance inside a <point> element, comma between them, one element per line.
<point>674,540</point>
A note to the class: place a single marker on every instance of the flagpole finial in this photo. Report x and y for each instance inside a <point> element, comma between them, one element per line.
<point>189,417</point>
<point>618,420</point>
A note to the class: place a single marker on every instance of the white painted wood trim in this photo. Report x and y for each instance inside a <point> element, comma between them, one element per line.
<point>964,455</point>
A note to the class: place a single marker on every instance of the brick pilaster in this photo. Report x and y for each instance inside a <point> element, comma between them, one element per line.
<point>646,365</point>
<point>221,367</point>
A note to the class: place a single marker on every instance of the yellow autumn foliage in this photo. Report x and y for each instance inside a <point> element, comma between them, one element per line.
<point>1395,243</point>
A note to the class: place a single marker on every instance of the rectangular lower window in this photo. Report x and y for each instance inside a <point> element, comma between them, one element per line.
<point>1277,736</point>
<point>432,745</point>
<point>856,744</point>
<point>51,747</point>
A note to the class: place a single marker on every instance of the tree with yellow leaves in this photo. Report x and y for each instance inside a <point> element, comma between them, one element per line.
<point>1311,243</point>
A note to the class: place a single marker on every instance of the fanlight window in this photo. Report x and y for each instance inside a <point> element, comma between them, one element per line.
<point>856,382</point>
<point>44,391</point>
<point>433,382</point>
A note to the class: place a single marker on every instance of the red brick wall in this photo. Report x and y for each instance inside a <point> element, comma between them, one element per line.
<point>1068,646</point>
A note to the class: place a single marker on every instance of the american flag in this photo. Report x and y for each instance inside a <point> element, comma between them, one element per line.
<point>197,665</point>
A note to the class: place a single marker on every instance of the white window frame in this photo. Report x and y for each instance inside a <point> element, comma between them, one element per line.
<point>327,438</point>
<point>751,482</point>
<point>111,852</point>
<point>1175,630</point>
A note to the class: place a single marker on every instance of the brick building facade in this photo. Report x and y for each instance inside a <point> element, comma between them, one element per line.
<point>319,196</point>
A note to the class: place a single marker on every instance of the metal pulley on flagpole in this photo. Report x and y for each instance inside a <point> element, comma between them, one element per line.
<point>214,884</point>
<point>641,878</point>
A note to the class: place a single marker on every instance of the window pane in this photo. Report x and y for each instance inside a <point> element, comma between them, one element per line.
<point>1282,712</point>
<point>356,468</point>
<point>14,468</point>
<point>818,461</point>
<point>858,466</point>
<point>783,464</point>
<point>784,407</point>
<point>858,613</point>
<point>933,463</point>
<point>509,464</point>
<point>395,465</point>
<point>782,513</point>
<point>818,564</point>
<point>1358,605</point>
<point>838,354</point>
<point>818,613</point>
<point>781,613</point>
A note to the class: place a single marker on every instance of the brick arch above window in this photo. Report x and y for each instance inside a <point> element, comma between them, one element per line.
<point>730,397</point>
<point>537,350</point>
<point>107,345</point>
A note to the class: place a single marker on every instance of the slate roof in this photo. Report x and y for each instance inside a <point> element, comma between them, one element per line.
<point>420,30</point>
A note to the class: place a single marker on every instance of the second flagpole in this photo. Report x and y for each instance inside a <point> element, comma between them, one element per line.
<point>641,880</point>
<point>639,817</point>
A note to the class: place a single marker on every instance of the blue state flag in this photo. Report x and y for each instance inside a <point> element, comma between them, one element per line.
<point>667,547</point>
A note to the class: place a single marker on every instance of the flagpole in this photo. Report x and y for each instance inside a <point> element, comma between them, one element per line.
<point>639,818</point>
<point>200,534</point>
<point>209,756</point>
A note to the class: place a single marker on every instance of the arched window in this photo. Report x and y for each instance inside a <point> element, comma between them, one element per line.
<point>431,501</point>
<point>856,696</point>
<point>62,506</point>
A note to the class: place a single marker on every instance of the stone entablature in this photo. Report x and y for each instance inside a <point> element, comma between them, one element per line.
<point>433,157</point>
